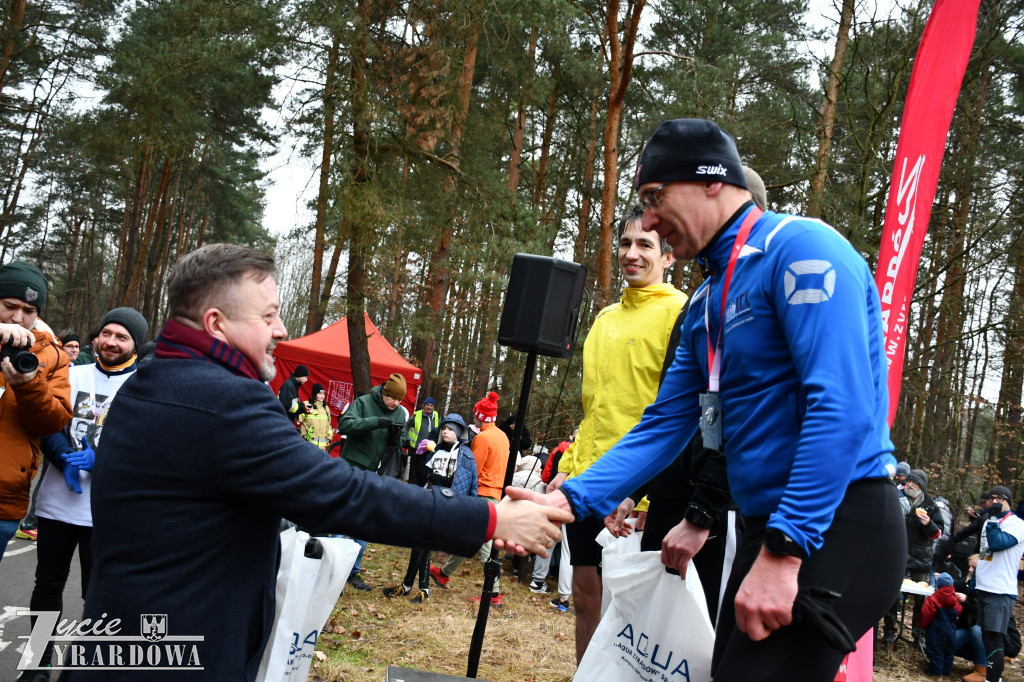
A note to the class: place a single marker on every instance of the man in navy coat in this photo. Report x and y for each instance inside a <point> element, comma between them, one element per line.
<point>199,465</point>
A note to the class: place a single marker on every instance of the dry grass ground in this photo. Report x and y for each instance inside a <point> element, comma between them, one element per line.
<point>526,640</point>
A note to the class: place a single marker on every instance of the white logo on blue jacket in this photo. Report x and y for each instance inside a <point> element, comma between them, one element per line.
<point>809,281</point>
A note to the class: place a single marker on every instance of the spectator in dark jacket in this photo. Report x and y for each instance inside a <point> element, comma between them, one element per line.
<point>923,527</point>
<point>508,427</point>
<point>938,618</point>
<point>289,392</point>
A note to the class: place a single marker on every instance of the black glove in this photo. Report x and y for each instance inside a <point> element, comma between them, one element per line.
<point>384,422</point>
<point>995,510</point>
<point>813,607</point>
<point>943,547</point>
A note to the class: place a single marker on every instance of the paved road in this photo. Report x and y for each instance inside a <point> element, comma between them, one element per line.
<point>17,575</point>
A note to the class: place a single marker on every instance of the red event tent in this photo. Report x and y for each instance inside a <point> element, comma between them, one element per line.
<point>326,354</point>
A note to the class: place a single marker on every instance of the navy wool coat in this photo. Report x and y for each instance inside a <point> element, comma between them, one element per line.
<point>197,469</point>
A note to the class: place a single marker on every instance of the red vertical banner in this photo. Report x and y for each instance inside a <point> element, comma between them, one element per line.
<point>931,98</point>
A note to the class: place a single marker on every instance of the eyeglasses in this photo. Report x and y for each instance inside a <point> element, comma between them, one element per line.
<point>651,200</point>
<point>996,497</point>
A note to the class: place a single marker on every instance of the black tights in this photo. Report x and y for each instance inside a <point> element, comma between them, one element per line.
<point>419,562</point>
<point>55,549</point>
<point>994,643</point>
<point>862,559</point>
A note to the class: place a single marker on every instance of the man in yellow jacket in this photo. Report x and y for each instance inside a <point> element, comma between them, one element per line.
<point>622,359</point>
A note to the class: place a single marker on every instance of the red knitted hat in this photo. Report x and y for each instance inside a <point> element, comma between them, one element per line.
<point>487,409</point>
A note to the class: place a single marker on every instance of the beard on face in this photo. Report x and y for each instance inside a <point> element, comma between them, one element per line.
<point>117,358</point>
<point>267,371</point>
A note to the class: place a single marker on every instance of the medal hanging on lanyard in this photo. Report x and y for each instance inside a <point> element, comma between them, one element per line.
<point>711,400</point>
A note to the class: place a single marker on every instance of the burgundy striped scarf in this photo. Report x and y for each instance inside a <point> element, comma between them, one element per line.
<point>178,342</point>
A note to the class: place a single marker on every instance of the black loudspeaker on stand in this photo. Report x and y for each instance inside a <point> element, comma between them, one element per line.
<point>542,308</point>
<point>542,305</point>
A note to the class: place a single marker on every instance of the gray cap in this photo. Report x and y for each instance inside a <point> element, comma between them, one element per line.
<point>902,469</point>
<point>1001,491</point>
<point>756,187</point>
<point>132,320</point>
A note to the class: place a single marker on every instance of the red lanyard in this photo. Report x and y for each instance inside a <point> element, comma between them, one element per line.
<point>741,239</point>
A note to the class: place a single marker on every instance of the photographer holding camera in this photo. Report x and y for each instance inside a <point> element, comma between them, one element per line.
<point>35,396</point>
<point>373,423</point>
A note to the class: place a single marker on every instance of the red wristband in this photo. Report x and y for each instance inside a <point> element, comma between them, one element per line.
<point>492,521</point>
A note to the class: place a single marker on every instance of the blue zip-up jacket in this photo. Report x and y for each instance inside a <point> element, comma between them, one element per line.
<point>803,381</point>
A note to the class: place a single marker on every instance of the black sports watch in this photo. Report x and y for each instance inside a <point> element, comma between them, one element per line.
<point>777,542</point>
<point>699,518</point>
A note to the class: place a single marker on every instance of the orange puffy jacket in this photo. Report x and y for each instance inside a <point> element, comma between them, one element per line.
<point>27,413</point>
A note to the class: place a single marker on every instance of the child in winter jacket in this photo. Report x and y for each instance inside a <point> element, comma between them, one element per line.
<point>450,464</point>
<point>938,618</point>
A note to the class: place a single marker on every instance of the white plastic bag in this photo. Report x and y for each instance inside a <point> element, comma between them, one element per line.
<point>656,627</point>
<point>623,545</point>
<point>613,545</point>
<point>307,590</point>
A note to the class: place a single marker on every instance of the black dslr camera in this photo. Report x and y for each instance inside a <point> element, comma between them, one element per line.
<point>22,359</point>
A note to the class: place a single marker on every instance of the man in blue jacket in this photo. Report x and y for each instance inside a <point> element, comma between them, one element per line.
<point>201,463</point>
<point>781,364</point>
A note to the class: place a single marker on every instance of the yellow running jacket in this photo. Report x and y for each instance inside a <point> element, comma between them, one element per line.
<point>622,359</point>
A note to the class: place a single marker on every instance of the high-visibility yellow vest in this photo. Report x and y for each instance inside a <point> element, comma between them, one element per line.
<point>414,433</point>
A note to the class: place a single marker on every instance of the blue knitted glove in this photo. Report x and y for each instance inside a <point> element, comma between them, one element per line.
<point>71,478</point>
<point>83,459</point>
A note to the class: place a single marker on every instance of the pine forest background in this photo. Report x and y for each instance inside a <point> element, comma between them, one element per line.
<point>448,136</point>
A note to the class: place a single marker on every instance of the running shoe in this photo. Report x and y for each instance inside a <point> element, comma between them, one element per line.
<point>560,604</point>
<point>540,587</point>
<point>439,578</point>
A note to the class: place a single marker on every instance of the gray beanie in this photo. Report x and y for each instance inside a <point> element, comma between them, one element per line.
<point>902,469</point>
<point>1002,491</point>
<point>919,477</point>
<point>132,320</point>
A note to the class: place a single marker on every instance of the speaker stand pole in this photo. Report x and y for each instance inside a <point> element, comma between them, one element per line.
<point>492,569</point>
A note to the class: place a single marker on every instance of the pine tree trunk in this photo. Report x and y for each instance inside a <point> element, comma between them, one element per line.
<point>130,295</point>
<point>434,294</point>
<point>545,146</point>
<point>519,133</point>
<point>1007,424</point>
<point>315,314</point>
<point>355,305</point>
<point>588,183</point>
<point>16,12</point>
<point>620,71</point>
<point>943,408</point>
<point>827,113</point>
